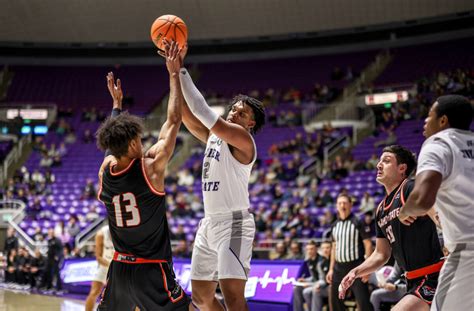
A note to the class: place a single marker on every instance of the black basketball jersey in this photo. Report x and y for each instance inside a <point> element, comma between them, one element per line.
<point>136,212</point>
<point>413,246</point>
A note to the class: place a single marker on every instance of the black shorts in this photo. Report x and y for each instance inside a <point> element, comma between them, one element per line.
<point>424,287</point>
<point>148,286</point>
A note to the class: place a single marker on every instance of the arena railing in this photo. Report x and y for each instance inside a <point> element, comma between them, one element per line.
<point>17,210</point>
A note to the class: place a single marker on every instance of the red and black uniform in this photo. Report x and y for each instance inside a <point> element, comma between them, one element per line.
<point>141,273</point>
<point>416,248</point>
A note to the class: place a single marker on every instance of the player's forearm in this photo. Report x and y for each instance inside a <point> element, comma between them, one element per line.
<point>102,261</point>
<point>371,264</point>
<point>174,102</point>
<point>416,205</point>
<point>196,102</point>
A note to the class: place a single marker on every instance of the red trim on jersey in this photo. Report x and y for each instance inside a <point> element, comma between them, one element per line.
<point>122,171</point>
<point>402,196</point>
<point>148,181</point>
<point>418,273</point>
<point>166,287</point>
<point>394,196</point>
<point>131,259</point>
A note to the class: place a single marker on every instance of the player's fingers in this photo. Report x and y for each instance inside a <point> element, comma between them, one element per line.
<point>161,53</point>
<point>119,84</point>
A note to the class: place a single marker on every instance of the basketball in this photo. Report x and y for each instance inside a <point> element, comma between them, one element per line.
<point>170,27</point>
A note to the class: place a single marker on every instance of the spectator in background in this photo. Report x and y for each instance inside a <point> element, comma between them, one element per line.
<point>37,177</point>
<point>72,227</point>
<point>89,190</point>
<point>21,195</point>
<point>61,232</point>
<point>23,266</point>
<point>49,177</point>
<point>179,234</point>
<point>62,150</point>
<point>372,162</point>
<point>38,235</point>
<point>70,137</point>
<point>319,291</point>
<point>311,262</point>
<point>324,199</point>
<point>37,266</point>
<point>369,224</point>
<point>93,213</point>
<point>295,251</point>
<point>54,258</point>
<point>280,252</point>
<point>35,208</point>
<point>46,161</point>
<point>10,272</point>
<point>181,250</point>
<point>87,137</point>
<point>367,203</point>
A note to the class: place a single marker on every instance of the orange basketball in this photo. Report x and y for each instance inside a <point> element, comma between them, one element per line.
<point>170,27</point>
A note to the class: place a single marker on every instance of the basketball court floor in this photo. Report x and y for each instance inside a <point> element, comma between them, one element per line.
<point>11,300</point>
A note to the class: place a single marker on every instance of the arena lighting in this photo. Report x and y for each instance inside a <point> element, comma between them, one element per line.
<point>386,98</point>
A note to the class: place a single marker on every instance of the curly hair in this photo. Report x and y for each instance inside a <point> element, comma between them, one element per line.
<point>257,108</point>
<point>115,134</point>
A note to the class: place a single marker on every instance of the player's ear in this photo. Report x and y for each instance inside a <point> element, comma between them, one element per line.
<point>251,124</point>
<point>443,121</point>
<point>403,168</point>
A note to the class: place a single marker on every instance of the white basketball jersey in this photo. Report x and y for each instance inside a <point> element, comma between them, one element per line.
<point>225,180</point>
<point>451,152</point>
<point>108,248</point>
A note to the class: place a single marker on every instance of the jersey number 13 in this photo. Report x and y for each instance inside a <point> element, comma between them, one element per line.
<point>130,205</point>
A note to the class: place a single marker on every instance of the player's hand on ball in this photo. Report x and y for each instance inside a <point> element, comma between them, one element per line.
<point>346,283</point>
<point>172,56</point>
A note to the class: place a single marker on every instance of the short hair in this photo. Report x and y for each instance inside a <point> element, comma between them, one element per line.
<point>403,156</point>
<point>457,108</point>
<point>257,108</point>
<point>343,195</point>
<point>116,133</point>
<point>312,243</point>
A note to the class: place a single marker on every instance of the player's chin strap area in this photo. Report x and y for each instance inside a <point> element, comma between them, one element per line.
<point>418,273</point>
<point>131,259</point>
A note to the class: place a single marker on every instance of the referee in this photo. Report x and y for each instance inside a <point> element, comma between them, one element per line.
<point>350,244</point>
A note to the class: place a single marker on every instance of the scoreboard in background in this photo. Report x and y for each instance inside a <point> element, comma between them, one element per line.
<point>386,98</point>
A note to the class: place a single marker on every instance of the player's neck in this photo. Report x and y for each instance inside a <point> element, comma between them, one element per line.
<point>389,187</point>
<point>122,163</point>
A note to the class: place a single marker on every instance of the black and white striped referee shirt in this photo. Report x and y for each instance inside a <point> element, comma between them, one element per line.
<point>348,235</point>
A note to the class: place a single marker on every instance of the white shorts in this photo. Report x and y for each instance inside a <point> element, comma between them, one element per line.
<point>223,247</point>
<point>101,274</point>
<point>455,283</point>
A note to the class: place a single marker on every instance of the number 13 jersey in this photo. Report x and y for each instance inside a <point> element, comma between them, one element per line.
<point>413,246</point>
<point>136,212</point>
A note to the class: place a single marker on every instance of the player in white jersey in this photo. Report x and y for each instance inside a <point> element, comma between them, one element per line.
<point>104,253</point>
<point>223,244</point>
<point>444,179</point>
